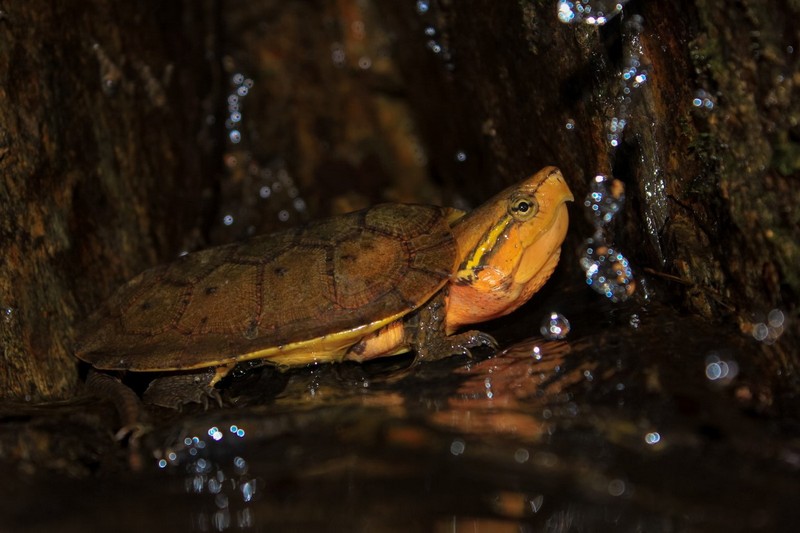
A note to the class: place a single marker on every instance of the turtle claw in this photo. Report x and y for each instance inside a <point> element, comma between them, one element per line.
<point>460,344</point>
<point>475,339</point>
<point>132,432</point>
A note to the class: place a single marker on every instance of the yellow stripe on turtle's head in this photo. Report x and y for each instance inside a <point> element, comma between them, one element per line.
<point>508,247</point>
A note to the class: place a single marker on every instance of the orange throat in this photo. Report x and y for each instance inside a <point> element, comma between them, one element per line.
<point>491,296</point>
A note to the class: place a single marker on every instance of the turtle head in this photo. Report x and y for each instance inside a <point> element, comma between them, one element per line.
<point>507,248</point>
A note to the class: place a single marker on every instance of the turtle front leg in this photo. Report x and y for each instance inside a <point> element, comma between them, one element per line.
<point>176,390</point>
<point>425,332</point>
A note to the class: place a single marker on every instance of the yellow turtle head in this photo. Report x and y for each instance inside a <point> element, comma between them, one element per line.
<point>508,248</point>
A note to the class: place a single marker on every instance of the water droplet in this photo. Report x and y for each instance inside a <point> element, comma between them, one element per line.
<point>775,318</point>
<point>607,271</point>
<point>536,503</point>
<point>457,447</point>
<point>720,370</point>
<point>239,465</point>
<point>703,100</point>
<point>536,353</point>
<point>222,502</point>
<point>248,490</point>
<point>605,199</point>
<point>591,12</point>
<point>555,326</point>
<point>434,46</point>
<point>760,331</point>
<point>521,455</point>
<point>616,487</point>
<point>654,437</point>
<point>337,54</point>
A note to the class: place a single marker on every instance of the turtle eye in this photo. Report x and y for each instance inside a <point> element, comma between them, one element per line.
<point>523,208</point>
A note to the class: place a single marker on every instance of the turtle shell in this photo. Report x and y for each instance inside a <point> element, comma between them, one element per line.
<point>340,277</point>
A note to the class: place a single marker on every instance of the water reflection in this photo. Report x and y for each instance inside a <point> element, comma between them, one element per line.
<point>216,475</point>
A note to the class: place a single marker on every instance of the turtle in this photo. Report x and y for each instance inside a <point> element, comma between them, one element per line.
<point>378,282</point>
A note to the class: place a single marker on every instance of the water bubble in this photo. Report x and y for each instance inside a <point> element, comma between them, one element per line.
<point>635,321</point>
<point>358,29</point>
<point>248,490</point>
<point>775,318</point>
<point>299,205</point>
<point>570,125</point>
<point>592,12</point>
<point>703,100</point>
<point>461,156</point>
<point>536,353</point>
<point>605,199</point>
<point>162,463</point>
<point>8,314</point>
<point>264,192</point>
<point>521,455</point>
<point>536,502</point>
<point>242,90</point>
<point>760,331</point>
<point>607,271</point>
<point>237,78</point>
<point>337,54</point>
<point>227,220</point>
<point>434,46</point>
<point>222,502</point>
<point>423,6</point>
<point>555,327</point>
<point>430,31</point>
<point>616,487</point>
<point>364,63</point>
<point>235,136</point>
<point>240,465</point>
<point>654,437</point>
<point>197,484</point>
<point>720,370</point>
<point>457,447</point>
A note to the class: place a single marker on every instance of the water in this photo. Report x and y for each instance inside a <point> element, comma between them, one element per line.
<point>622,427</point>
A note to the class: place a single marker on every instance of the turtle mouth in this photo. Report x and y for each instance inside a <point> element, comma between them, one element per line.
<point>537,256</point>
